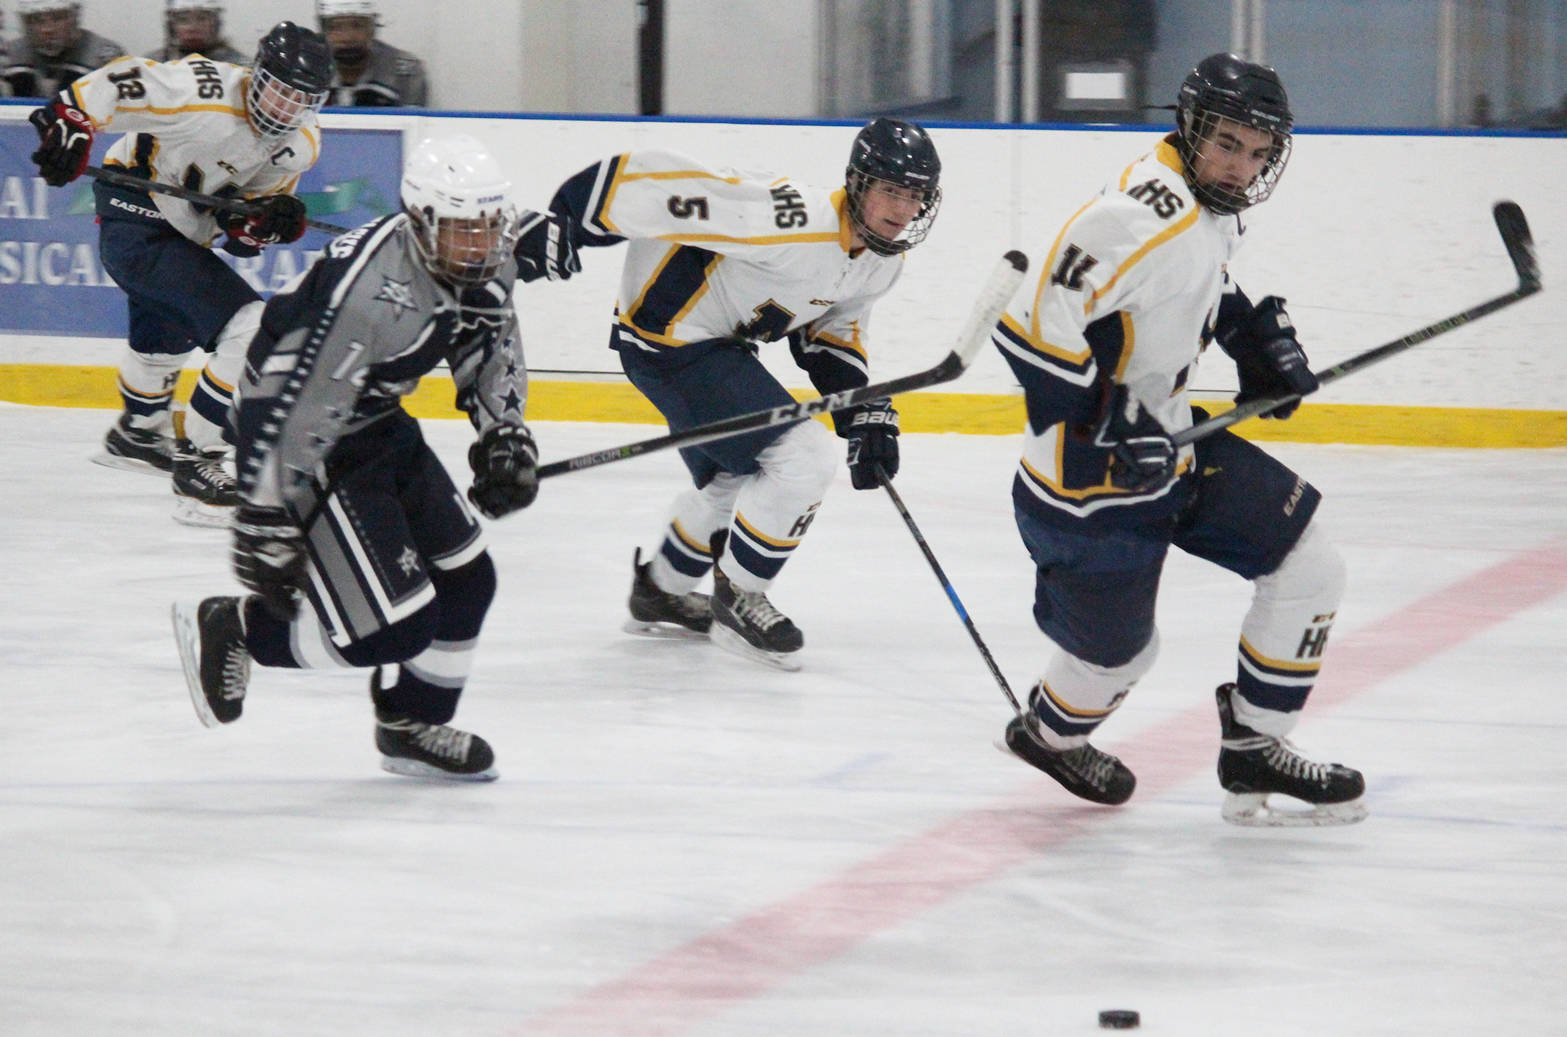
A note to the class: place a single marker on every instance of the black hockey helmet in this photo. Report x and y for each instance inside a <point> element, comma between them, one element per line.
<point>1223,86</point>
<point>898,153</point>
<point>289,79</point>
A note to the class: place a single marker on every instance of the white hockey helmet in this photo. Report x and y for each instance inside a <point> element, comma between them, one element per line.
<point>348,9</point>
<point>198,32</point>
<point>459,203</point>
<point>53,38</point>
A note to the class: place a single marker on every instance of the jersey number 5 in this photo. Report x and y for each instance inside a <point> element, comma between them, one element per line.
<point>685,208</point>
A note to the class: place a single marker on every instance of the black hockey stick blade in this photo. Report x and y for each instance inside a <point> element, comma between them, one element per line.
<point>1516,239</point>
<point>211,201</point>
<point>987,310</point>
<point>1520,243</point>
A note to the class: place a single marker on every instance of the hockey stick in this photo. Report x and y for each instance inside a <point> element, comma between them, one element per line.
<point>1520,249</point>
<point>212,201</point>
<point>993,299</point>
<point>952,595</point>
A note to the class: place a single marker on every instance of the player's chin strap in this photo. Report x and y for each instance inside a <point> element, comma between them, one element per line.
<point>1520,249</point>
<point>210,201</point>
<point>987,310</point>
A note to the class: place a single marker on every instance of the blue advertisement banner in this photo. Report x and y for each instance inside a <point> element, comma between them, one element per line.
<point>51,282</point>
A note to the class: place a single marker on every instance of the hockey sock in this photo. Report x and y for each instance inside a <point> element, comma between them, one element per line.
<point>207,417</point>
<point>775,507</point>
<point>684,555</point>
<point>429,683</point>
<point>146,382</point>
<point>1075,696</point>
<point>1285,633</point>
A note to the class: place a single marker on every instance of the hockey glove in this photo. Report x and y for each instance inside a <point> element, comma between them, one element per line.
<point>872,432</point>
<point>1142,456</point>
<point>546,248</point>
<point>276,219</point>
<point>1268,359</point>
<point>505,467</point>
<point>65,138</point>
<point>269,557</point>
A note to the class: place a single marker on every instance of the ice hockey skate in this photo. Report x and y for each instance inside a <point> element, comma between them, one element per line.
<point>746,623</point>
<point>211,640</point>
<point>135,449</point>
<point>205,493</point>
<point>1253,766</point>
<point>1084,771</point>
<point>657,613</point>
<point>416,749</point>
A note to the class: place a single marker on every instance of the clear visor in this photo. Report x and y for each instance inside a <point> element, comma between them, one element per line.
<point>467,250</point>
<point>275,108</point>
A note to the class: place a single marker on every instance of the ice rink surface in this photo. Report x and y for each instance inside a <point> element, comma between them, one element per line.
<point>683,842</point>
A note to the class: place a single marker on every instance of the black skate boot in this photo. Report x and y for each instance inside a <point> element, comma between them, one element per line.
<point>745,622</point>
<point>205,493</point>
<point>420,750</point>
<point>1253,765</point>
<point>658,613</point>
<point>1085,772</point>
<point>211,640</point>
<point>136,449</point>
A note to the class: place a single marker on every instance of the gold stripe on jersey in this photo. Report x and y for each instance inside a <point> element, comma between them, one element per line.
<point>1180,226</point>
<point>1046,277</point>
<point>1079,359</point>
<point>600,213</point>
<point>834,342</point>
<point>1053,488</point>
<point>659,280</point>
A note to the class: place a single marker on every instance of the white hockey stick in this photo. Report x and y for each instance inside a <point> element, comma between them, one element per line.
<point>993,299</point>
<point>1520,249</point>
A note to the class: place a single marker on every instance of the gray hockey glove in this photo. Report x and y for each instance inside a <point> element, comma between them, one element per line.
<point>1268,359</point>
<point>64,139</point>
<point>280,218</point>
<point>547,247</point>
<point>269,557</point>
<point>505,467</point>
<point>1142,456</point>
<point>872,432</point>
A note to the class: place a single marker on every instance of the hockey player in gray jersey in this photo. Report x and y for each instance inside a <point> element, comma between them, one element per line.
<point>370,73</point>
<point>196,27</point>
<point>717,264</point>
<point>53,49</point>
<point>343,503</point>
<point>1134,288</point>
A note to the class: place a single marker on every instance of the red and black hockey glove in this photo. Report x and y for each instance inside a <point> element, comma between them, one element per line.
<point>276,219</point>
<point>64,140</point>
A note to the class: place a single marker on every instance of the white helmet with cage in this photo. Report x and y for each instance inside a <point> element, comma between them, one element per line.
<point>460,205</point>
<point>193,24</point>
<point>348,9</point>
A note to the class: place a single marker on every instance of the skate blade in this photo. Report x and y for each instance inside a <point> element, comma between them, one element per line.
<point>127,464</point>
<point>1252,810</point>
<point>662,631</point>
<point>186,638</point>
<point>417,769</point>
<point>732,642</point>
<point>188,512</point>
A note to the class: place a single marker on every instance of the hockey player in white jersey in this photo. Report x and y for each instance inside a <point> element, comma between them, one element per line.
<point>218,129</point>
<point>719,263</point>
<point>1132,291</point>
<point>343,502</point>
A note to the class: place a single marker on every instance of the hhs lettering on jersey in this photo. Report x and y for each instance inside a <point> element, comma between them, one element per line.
<point>1153,193</point>
<point>788,207</point>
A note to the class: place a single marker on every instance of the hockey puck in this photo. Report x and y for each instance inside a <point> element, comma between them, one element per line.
<point>1119,1019</point>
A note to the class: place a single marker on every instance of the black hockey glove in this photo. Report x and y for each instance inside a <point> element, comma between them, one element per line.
<point>278,219</point>
<point>546,248</point>
<point>64,139</point>
<point>269,557</point>
<point>505,467</point>
<point>1268,359</point>
<point>872,432</point>
<point>1142,456</point>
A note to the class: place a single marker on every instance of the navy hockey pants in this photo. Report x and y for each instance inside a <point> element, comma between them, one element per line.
<point>1095,588</point>
<point>180,294</point>
<point>704,382</point>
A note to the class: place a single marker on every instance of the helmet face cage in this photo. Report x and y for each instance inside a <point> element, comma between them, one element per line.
<point>1224,88</point>
<point>288,82</point>
<point>898,154</point>
<point>276,108</point>
<point>460,208</point>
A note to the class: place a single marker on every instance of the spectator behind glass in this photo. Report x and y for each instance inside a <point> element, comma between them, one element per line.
<point>370,74</point>
<point>196,28</point>
<point>52,51</point>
